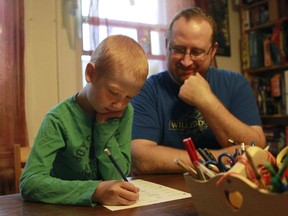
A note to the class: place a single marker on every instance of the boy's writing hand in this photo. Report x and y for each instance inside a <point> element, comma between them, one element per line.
<point>103,117</point>
<point>116,193</point>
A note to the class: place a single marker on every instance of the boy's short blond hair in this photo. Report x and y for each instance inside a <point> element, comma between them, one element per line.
<point>118,54</point>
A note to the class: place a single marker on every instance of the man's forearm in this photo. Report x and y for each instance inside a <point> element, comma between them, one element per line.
<point>226,126</point>
<point>157,159</point>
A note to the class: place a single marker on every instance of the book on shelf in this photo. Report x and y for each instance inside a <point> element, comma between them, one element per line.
<point>283,10</point>
<point>256,49</point>
<point>275,83</point>
<point>245,55</point>
<point>264,49</point>
<point>263,14</point>
<point>267,51</point>
<point>263,95</point>
<point>285,94</point>
<point>273,10</point>
<point>260,14</point>
<point>245,18</point>
<point>276,138</point>
<point>283,43</point>
<point>286,136</point>
<point>277,54</point>
<point>271,93</point>
<point>276,94</point>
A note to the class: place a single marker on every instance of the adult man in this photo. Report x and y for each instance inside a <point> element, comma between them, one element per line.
<point>191,99</point>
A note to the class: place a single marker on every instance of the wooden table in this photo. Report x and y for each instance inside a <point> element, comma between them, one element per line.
<point>11,205</point>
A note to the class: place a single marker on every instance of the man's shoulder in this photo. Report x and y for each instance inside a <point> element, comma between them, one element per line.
<point>158,80</point>
<point>222,71</point>
<point>216,73</point>
<point>158,77</point>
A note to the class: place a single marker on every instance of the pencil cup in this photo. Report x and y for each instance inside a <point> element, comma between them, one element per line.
<point>235,195</point>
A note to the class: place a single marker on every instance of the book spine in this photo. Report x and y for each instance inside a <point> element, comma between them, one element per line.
<point>245,54</point>
<point>286,90</point>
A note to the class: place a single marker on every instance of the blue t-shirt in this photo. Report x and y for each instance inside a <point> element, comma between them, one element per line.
<point>161,116</point>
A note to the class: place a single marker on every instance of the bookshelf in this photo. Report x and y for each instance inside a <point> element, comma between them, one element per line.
<point>264,61</point>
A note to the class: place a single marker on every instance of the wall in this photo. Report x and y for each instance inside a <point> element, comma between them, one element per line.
<point>232,62</point>
<point>53,69</point>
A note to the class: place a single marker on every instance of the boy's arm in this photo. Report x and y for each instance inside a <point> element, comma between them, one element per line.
<point>36,182</point>
<point>116,136</point>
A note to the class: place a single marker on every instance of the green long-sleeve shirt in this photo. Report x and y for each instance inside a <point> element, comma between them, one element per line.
<point>67,160</point>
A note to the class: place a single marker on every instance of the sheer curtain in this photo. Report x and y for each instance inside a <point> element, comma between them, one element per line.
<point>146,21</point>
<point>12,98</point>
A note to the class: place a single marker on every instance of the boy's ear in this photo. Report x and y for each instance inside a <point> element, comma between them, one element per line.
<point>89,71</point>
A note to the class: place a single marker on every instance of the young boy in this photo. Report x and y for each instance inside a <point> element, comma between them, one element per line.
<point>67,164</point>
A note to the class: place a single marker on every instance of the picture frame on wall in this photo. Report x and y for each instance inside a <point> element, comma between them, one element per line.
<point>219,10</point>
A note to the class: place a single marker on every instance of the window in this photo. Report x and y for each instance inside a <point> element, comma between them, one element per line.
<point>146,21</point>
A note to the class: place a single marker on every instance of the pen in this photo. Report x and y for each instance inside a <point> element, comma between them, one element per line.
<point>236,154</point>
<point>203,154</point>
<point>211,156</point>
<point>115,164</point>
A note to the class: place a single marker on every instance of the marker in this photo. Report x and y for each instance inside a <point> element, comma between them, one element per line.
<point>189,145</point>
<point>278,185</point>
<point>270,168</point>
<point>115,164</point>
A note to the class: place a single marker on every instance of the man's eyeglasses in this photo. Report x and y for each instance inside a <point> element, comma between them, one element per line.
<point>195,54</point>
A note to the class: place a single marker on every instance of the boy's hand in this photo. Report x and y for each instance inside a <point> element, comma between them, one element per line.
<point>103,117</point>
<point>116,193</point>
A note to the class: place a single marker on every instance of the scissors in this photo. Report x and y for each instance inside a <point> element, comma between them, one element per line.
<point>221,162</point>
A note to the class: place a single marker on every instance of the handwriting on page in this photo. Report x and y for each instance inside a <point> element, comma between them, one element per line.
<point>152,193</point>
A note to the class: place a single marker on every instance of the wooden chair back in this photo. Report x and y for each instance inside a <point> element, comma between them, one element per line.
<point>20,157</point>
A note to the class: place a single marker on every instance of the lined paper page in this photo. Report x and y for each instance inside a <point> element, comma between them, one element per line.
<point>152,193</point>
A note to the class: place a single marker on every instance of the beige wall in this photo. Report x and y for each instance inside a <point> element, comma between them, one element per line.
<point>233,62</point>
<point>53,69</point>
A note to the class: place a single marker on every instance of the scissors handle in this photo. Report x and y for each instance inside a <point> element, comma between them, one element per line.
<point>220,164</point>
<point>228,156</point>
